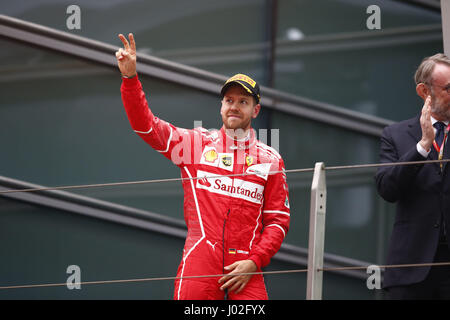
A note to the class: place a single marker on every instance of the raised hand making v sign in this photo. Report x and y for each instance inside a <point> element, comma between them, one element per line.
<point>126,56</point>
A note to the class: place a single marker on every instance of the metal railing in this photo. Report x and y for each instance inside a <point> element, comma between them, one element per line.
<point>317,227</point>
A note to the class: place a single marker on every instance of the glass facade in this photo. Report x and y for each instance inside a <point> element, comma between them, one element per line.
<point>326,52</point>
<point>62,123</point>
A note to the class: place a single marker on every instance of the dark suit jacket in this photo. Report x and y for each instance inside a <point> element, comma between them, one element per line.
<point>422,194</point>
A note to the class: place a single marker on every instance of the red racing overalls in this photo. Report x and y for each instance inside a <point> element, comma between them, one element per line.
<point>229,218</point>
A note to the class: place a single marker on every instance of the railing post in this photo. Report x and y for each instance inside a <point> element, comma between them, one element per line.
<point>316,233</point>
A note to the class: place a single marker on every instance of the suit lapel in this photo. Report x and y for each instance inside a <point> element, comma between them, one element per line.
<point>414,129</point>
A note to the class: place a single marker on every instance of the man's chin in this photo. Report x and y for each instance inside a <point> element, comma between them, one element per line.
<point>441,113</point>
<point>233,125</point>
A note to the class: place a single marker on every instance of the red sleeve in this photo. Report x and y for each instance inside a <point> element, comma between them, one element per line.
<point>174,143</point>
<point>276,217</point>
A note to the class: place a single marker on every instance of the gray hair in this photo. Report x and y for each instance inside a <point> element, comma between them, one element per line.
<point>425,70</point>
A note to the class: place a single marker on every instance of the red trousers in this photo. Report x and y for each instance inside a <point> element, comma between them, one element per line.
<point>209,259</point>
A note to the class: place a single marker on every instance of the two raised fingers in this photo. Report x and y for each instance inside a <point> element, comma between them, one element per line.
<point>128,45</point>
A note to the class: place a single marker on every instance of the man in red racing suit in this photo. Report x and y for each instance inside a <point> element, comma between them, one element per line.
<point>236,200</point>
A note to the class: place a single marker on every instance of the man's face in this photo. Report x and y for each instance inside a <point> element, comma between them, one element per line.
<point>238,108</point>
<point>440,99</point>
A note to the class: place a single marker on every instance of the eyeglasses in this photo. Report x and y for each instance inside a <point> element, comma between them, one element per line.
<point>446,88</point>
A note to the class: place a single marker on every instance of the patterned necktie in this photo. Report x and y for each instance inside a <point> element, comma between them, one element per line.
<point>439,132</point>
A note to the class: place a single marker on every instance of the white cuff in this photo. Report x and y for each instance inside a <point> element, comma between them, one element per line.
<point>422,151</point>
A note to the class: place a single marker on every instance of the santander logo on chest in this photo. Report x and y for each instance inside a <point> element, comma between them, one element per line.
<point>236,188</point>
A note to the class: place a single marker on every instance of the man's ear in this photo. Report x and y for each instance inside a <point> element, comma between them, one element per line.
<point>221,107</point>
<point>256,110</point>
<point>423,90</point>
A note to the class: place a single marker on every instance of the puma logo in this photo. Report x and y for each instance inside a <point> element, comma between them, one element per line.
<point>212,245</point>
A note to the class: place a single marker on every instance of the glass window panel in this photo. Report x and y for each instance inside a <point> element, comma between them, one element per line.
<point>325,52</point>
<point>324,17</point>
<point>38,244</point>
<point>197,32</point>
